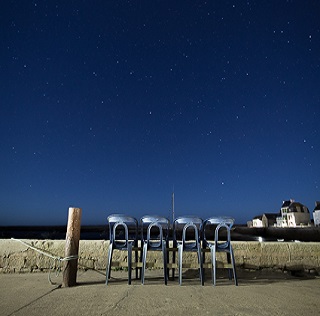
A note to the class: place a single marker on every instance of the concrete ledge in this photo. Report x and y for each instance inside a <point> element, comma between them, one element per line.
<point>16,257</point>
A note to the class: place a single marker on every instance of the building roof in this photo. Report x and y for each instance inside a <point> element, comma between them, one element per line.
<point>294,206</point>
<point>286,203</point>
<point>267,215</point>
<point>271,215</point>
<point>317,207</point>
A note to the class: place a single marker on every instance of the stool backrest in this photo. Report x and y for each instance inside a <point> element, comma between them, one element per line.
<point>122,229</point>
<point>154,229</point>
<point>219,230</point>
<point>188,230</point>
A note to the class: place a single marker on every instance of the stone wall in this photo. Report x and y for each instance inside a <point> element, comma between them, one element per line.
<point>16,257</point>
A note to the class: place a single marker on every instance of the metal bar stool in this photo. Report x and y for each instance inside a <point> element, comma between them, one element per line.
<point>123,235</point>
<point>190,230</point>
<point>216,245</point>
<point>154,237</point>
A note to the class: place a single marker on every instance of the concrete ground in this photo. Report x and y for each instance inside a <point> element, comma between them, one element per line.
<point>258,293</point>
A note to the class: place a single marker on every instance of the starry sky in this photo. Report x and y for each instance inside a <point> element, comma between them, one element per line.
<point>112,105</point>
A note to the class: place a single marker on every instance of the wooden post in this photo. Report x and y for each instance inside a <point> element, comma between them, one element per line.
<point>72,247</point>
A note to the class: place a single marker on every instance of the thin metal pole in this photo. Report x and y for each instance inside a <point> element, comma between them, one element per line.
<point>173,207</point>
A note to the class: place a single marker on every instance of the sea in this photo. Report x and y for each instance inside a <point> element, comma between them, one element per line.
<point>101,232</point>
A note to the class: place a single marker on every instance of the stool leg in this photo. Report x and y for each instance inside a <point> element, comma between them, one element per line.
<point>144,261</point>
<point>234,267</point>
<point>229,262</point>
<point>173,261</point>
<point>137,259</point>
<point>129,262</point>
<point>180,262</point>
<point>108,271</point>
<point>200,264</point>
<point>203,262</point>
<point>164,253</point>
<point>214,265</point>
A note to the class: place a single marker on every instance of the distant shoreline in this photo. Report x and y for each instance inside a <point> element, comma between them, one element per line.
<point>97,232</point>
<point>90,232</point>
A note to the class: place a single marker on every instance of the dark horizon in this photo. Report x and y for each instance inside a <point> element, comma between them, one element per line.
<point>100,232</point>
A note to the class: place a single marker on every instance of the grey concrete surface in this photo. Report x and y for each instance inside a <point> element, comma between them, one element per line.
<point>258,293</point>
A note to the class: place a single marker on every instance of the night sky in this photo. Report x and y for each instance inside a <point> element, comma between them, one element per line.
<point>110,105</point>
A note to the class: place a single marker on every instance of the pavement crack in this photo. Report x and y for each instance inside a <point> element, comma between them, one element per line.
<point>35,300</point>
<point>121,299</point>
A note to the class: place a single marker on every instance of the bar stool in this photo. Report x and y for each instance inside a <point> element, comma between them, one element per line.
<point>217,245</point>
<point>190,229</point>
<point>123,235</point>
<point>154,237</point>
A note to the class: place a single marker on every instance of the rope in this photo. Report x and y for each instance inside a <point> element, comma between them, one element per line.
<point>56,259</point>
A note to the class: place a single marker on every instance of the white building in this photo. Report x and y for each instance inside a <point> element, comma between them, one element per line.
<point>293,214</point>
<point>264,220</point>
<point>257,221</point>
<point>316,214</point>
